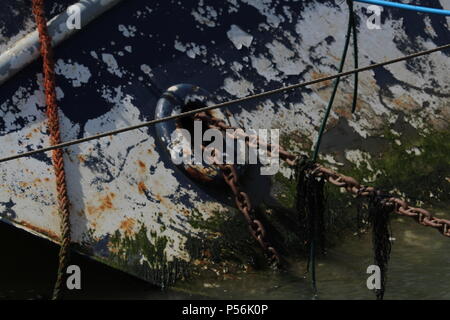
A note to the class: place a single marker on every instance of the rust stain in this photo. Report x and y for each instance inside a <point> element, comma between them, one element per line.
<point>344,111</point>
<point>406,103</point>
<point>159,198</point>
<point>108,202</point>
<point>43,231</point>
<point>164,202</point>
<point>142,166</point>
<point>317,75</point>
<point>91,209</point>
<point>23,184</point>
<point>335,58</point>
<point>127,225</point>
<point>196,174</point>
<point>105,204</point>
<point>81,158</point>
<point>185,212</point>
<point>142,187</point>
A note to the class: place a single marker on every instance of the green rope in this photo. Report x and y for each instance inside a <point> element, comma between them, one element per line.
<point>336,84</point>
<point>355,56</point>
<point>310,207</point>
<point>350,26</point>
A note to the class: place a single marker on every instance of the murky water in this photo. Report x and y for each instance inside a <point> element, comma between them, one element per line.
<point>419,269</point>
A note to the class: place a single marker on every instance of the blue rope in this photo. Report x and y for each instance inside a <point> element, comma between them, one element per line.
<point>407,6</point>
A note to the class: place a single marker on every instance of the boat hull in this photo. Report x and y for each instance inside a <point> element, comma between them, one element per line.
<point>131,207</point>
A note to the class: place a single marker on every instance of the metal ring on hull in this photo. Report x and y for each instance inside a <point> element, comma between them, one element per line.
<point>177,99</point>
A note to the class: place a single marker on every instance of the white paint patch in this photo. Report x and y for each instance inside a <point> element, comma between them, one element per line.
<point>236,67</point>
<point>112,64</point>
<point>94,55</point>
<point>265,68</point>
<point>415,150</point>
<point>284,58</point>
<point>429,28</point>
<point>147,70</point>
<point>28,182</point>
<point>78,73</point>
<point>359,157</point>
<point>330,159</point>
<point>239,37</point>
<point>205,15</point>
<point>191,49</point>
<point>127,31</point>
<point>239,88</point>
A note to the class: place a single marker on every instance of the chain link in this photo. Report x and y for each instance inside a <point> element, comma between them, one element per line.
<point>252,140</point>
<point>242,199</point>
<point>399,206</point>
<point>350,184</point>
<point>244,205</point>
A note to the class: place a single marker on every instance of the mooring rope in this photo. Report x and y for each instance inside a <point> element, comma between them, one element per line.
<point>55,139</point>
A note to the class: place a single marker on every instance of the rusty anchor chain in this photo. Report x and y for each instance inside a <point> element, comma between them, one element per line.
<point>399,206</point>
<point>242,199</point>
<point>350,184</point>
<point>252,140</point>
<point>244,205</point>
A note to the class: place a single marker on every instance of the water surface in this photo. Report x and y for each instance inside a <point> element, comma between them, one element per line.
<point>419,269</point>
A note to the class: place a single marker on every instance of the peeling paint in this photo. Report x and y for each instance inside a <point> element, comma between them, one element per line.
<point>112,64</point>
<point>78,73</point>
<point>239,37</point>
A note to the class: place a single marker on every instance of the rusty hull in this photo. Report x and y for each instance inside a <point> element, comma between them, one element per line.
<point>130,206</point>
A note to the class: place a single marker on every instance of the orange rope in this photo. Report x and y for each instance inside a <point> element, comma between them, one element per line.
<point>55,138</point>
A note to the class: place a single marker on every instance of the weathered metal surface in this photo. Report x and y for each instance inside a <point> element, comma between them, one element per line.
<point>131,207</point>
<point>26,50</point>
